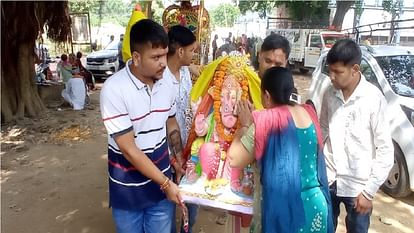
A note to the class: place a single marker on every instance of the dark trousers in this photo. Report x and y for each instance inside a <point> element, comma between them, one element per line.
<point>214,53</point>
<point>88,79</point>
<point>354,221</point>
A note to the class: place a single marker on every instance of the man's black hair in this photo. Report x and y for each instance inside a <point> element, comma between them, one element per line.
<point>79,55</point>
<point>179,36</point>
<point>276,41</point>
<point>147,32</point>
<point>346,51</point>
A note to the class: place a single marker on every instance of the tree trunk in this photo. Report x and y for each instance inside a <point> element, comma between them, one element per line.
<point>19,95</point>
<point>22,22</point>
<point>341,8</point>
<point>392,28</point>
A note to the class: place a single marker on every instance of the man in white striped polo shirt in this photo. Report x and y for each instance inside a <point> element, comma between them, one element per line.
<point>138,110</point>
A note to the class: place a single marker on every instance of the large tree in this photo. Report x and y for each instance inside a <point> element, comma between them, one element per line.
<point>224,15</point>
<point>22,24</point>
<point>115,11</point>
<point>393,7</point>
<point>342,6</point>
<point>300,10</point>
<point>358,10</point>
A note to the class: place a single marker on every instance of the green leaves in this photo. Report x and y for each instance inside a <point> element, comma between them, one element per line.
<point>82,5</point>
<point>392,6</point>
<point>110,11</point>
<point>298,10</point>
<point>224,15</point>
<point>262,7</point>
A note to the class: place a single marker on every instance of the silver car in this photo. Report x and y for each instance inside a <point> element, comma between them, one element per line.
<point>391,69</point>
<point>104,63</point>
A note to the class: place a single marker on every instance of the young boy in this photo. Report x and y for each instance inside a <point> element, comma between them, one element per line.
<point>182,43</point>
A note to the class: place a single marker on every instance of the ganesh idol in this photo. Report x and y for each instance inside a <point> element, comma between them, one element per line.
<point>214,98</point>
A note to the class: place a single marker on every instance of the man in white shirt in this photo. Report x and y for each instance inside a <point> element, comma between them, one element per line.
<point>138,111</point>
<point>358,145</point>
<point>75,92</point>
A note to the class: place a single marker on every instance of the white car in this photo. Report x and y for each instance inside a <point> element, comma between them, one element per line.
<point>391,69</point>
<point>104,63</point>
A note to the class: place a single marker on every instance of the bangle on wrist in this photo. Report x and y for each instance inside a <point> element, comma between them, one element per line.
<point>166,184</point>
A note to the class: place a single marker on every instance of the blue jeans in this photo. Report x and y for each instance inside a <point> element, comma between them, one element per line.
<point>154,219</point>
<point>354,221</point>
<point>192,215</point>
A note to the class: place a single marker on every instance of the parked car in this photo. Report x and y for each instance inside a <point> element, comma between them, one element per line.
<point>103,63</point>
<point>391,70</point>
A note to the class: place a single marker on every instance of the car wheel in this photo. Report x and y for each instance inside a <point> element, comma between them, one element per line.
<point>397,183</point>
<point>303,70</point>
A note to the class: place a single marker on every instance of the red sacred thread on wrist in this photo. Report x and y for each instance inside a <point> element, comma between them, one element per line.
<point>173,160</point>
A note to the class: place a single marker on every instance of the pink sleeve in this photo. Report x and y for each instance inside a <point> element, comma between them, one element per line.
<point>267,121</point>
<point>261,132</point>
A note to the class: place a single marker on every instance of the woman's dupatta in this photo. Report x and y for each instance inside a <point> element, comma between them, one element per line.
<point>277,150</point>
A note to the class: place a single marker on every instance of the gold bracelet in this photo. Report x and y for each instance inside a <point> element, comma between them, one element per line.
<point>165,184</point>
<point>165,187</point>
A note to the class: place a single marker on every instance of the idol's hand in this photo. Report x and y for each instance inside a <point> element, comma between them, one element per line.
<point>201,125</point>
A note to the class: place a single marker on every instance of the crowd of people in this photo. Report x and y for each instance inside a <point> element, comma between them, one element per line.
<point>76,78</point>
<point>305,165</point>
<point>243,45</point>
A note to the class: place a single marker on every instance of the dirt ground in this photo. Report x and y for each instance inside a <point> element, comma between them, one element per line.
<point>54,178</point>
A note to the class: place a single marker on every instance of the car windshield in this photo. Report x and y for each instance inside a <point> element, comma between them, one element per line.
<point>331,39</point>
<point>112,46</point>
<point>399,71</point>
